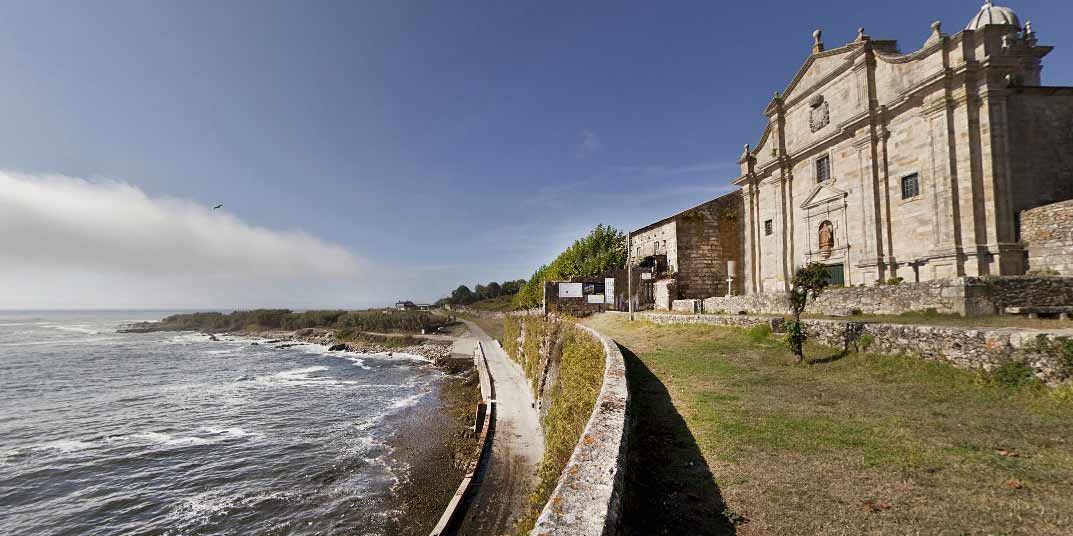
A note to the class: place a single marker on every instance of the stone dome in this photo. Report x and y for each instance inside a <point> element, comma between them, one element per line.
<point>992,14</point>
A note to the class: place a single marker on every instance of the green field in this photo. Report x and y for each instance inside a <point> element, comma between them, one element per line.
<point>732,437</point>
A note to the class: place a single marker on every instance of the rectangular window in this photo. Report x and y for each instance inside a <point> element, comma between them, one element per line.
<point>767,227</point>
<point>823,168</point>
<point>910,186</point>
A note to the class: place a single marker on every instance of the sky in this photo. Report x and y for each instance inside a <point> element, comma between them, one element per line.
<point>368,151</point>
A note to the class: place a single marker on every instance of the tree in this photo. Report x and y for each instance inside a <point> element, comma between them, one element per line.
<point>808,282</point>
<point>598,253</point>
<point>462,295</point>
<point>494,289</point>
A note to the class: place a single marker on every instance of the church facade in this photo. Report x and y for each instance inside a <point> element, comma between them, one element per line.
<point>883,165</point>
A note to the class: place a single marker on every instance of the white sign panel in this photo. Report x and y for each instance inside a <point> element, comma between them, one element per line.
<point>595,298</point>
<point>609,289</point>
<point>570,290</point>
<point>646,275</point>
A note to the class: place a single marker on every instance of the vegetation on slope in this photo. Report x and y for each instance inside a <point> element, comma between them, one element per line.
<point>570,396</point>
<point>730,437</point>
<point>383,321</point>
<point>464,296</point>
<point>602,250</point>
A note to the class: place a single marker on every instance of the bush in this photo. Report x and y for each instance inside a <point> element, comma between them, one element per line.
<point>1014,374</point>
<point>865,341</point>
<point>759,333</point>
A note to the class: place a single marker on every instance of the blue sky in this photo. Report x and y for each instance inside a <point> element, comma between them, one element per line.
<point>436,142</point>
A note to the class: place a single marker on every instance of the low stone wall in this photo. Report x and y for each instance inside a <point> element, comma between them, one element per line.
<point>485,416</point>
<point>587,501</point>
<point>968,296</point>
<point>967,348</point>
<point>1046,234</point>
<point>686,306</point>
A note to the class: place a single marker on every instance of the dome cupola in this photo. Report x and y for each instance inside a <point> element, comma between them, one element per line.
<point>992,14</point>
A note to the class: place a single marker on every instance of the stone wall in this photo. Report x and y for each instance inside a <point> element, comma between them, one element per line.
<point>708,236</point>
<point>967,348</point>
<point>1047,233</point>
<point>1041,145</point>
<point>967,296</point>
<point>587,501</point>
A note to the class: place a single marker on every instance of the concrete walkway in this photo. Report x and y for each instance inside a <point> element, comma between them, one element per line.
<point>517,448</point>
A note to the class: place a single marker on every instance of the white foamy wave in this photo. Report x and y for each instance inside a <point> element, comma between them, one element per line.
<point>408,401</point>
<point>302,376</point>
<point>358,362</point>
<point>233,432</point>
<point>65,446</point>
<point>76,329</point>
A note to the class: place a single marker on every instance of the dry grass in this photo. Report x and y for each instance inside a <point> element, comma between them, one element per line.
<point>850,444</point>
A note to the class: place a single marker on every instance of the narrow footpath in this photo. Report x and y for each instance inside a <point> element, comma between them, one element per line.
<point>517,448</point>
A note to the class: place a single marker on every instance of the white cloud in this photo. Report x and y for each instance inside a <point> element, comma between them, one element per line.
<point>71,243</point>
<point>590,142</point>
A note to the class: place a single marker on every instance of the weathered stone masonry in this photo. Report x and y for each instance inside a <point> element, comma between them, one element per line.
<point>1047,232</point>
<point>697,243</point>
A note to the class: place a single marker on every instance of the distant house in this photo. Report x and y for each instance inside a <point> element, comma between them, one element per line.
<point>405,305</point>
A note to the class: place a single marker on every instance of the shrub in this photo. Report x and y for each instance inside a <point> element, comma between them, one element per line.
<point>759,333</point>
<point>865,341</point>
<point>1014,374</point>
<point>808,282</point>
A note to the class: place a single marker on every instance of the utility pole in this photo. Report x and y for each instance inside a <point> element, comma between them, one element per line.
<point>629,272</point>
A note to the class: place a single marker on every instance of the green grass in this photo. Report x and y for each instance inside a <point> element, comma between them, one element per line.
<point>500,304</point>
<point>798,449</point>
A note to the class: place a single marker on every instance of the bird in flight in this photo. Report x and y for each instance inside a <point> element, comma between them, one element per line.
<point>217,206</point>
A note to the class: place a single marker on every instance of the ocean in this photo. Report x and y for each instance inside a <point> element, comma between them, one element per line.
<point>105,433</point>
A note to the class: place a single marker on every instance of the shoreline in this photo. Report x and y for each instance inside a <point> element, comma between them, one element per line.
<point>433,441</point>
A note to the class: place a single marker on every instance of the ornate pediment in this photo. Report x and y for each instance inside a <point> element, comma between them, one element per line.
<point>822,194</point>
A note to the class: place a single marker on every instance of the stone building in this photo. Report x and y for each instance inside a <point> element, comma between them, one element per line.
<point>696,244</point>
<point>881,164</point>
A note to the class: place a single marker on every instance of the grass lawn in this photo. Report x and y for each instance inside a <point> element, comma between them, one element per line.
<point>492,326</point>
<point>731,437</point>
<point>498,304</point>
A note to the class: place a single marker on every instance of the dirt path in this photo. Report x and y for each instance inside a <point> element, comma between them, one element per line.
<point>517,447</point>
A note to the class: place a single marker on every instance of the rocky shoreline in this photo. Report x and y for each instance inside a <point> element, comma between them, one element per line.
<point>433,350</point>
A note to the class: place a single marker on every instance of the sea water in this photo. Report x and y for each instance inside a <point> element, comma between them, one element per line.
<point>172,433</point>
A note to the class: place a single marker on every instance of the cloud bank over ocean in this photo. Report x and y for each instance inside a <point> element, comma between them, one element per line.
<point>67,242</point>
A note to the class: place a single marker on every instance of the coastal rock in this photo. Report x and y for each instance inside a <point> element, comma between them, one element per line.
<point>340,347</point>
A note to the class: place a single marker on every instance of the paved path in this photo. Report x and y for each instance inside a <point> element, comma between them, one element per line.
<point>517,447</point>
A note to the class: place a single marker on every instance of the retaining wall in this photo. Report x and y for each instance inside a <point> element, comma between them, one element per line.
<point>968,296</point>
<point>483,426</point>
<point>967,348</point>
<point>587,501</point>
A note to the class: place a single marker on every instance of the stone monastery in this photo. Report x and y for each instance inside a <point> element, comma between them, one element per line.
<point>947,162</point>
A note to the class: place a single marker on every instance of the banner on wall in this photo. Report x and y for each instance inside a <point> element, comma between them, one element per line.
<point>570,290</point>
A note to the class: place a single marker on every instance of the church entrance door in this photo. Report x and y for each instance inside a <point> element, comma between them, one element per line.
<point>837,273</point>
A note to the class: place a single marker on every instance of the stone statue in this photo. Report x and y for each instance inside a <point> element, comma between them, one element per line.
<point>827,239</point>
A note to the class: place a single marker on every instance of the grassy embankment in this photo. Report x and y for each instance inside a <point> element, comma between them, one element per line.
<point>570,397</point>
<point>732,438</point>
